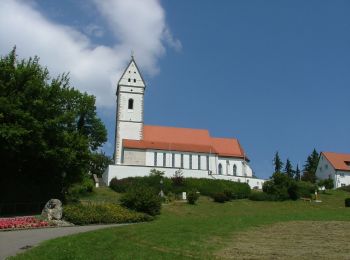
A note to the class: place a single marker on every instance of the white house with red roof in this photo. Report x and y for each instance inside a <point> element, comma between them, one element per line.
<point>335,166</point>
<point>140,148</point>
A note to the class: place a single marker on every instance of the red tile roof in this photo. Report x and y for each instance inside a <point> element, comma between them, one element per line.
<point>186,140</point>
<point>340,161</point>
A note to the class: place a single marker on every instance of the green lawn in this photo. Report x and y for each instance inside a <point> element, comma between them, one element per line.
<point>185,231</point>
<point>100,195</point>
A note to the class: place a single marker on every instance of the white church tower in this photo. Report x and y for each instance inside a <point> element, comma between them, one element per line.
<point>130,96</point>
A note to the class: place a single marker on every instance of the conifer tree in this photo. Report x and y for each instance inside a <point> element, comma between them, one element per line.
<point>297,173</point>
<point>289,169</point>
<point>277,162</point>
<point>310,167</point>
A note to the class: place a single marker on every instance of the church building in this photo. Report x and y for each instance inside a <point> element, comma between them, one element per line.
<point>140,148</point>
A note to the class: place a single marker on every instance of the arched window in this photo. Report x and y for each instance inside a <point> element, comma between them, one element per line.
<point>131,104</point>
<point>234,170</point>
<point>220,168</point>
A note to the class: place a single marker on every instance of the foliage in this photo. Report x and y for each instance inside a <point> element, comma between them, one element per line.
<point>142,199</point>
<point>347,202</point>
<point>278,186</point>
<point>155,172</point>
<point>306,189</point>
<point>310,167</point>
<point>285,188</point>
<point>80,214</point>
<point>289,169</point>
<point>99,162</point>
<point>297,175</point>
<point>192,197</point>
<point>48,131</point>
<point>80,189</point>
<point>262,196</point>
<point>123,185</point>
<point>206,187</point>
<point>178,179</point>
<point>220,197</point>
<point>277,162</point>
<point>327,183</point>
<point>345,188</point>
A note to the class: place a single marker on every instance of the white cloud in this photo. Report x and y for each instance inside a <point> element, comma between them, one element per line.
<point>137,25</point>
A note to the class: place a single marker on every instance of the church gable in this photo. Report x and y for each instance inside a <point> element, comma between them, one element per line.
<point>132,76</point>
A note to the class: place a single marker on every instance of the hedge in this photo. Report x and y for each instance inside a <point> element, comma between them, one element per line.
<point>207,187</point>
<point>81,214</point>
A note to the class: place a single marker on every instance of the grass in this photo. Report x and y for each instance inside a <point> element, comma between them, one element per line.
<point>99,195</point>
<point>206,230</point>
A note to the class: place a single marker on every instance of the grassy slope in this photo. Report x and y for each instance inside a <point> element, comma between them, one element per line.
<point>184,231</point>
<point>102,194</point>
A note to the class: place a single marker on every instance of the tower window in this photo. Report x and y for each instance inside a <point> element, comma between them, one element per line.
<point>129,79</point>
<point>131,104</point>
<point>134,80</point>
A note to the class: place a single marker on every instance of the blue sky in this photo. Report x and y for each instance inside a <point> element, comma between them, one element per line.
<point>274,74</point>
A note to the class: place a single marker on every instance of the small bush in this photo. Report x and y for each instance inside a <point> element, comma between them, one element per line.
<point>142,199</point>
<point>347,202</point>
<point>192,197</point>
<point>262,196</point>
<point>220,197</point>
<point>345,188</point>
<point>306,189</point>
<point>79,189</point>
<point>81,214</point>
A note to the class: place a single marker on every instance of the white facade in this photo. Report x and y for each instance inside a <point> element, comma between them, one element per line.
<point>138,161</point>
<point>326,170</point>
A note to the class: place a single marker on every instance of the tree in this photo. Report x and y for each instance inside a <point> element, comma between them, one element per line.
<point>99,162</point>
<point>310,167</point>
<point>297,174</point>
<point>277,162</point>
<point>289,169</point>
<point>48,131</point>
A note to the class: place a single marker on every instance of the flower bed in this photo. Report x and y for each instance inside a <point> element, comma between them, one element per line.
<point>22,222</point>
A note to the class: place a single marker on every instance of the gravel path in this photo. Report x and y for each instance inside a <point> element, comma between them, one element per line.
<point>13,242</point>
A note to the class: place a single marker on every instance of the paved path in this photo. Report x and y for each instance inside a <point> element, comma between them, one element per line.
<point>12,242</point>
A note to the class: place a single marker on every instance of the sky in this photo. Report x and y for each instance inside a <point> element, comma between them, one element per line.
<point>274,74</point>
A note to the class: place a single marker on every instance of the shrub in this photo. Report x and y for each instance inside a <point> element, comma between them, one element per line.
<point>306,189</point>
<point>347,202</point>
<point>327,183</point>
<point>262,196</point>
<point>345,188</point>
<point>283,187</point>
<point>81,214</point>
<point>206,187</point>
<point>142,199</point>
<point>220,197</point>
<point>126,184</point>
<point>209,187</point>
<point>178,179</point>
<point>192,197</point>
<point>78,189</point>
